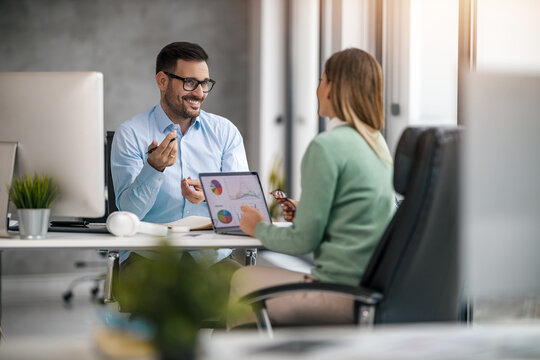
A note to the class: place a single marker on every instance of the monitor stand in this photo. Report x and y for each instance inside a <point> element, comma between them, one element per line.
<point>7,165</point>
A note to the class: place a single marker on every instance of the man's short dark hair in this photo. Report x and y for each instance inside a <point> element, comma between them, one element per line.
<point>168,56</point>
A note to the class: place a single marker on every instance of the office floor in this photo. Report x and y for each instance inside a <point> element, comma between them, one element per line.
<point>32,305</point>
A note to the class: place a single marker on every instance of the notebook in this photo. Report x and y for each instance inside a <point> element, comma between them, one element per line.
<point>226,192</point>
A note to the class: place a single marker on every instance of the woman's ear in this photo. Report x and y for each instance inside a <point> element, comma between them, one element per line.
<point>328,90</point>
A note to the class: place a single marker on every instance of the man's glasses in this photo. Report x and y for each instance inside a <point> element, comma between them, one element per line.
<point>191,84</point>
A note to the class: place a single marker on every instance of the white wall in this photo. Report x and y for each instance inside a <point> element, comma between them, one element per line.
<point>420,64</point>
<point>266,95</point>
<point>433,62</point>
<point>305,70</point>
<point>268,83</point>
<point>508,36</point>
<point>396,24</point>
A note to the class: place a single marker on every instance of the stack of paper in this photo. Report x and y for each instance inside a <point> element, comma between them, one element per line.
<point>194,223</point>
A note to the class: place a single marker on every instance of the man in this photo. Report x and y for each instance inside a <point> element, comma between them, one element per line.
<point>156,156</point>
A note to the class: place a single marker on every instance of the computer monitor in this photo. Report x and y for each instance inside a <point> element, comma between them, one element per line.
<point>56,119</point>
<point>501,185</point>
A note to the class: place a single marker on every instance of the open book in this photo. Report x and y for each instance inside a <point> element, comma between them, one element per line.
<point>194,223</point>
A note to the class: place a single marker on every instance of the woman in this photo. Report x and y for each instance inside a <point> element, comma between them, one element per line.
<point>347,196</point>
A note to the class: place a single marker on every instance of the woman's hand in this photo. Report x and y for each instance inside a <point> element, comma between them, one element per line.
<point>288,206</point>
<point>250,218</point>
<point>192,190</point>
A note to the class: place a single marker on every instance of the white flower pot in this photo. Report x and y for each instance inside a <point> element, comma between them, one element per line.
<point>33,223</point>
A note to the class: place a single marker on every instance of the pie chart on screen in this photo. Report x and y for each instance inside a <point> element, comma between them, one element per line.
<point>224,216</point>
<point>216,187</point>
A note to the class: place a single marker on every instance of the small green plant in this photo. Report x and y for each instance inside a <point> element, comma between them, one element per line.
<point>37,192</point>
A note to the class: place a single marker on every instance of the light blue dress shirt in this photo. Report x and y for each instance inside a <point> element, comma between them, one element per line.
<point>211,144</point>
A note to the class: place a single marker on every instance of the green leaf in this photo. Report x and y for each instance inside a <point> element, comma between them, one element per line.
<point>37,192</point>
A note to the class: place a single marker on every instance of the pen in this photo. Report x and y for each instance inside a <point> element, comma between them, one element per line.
<point>152,149</point>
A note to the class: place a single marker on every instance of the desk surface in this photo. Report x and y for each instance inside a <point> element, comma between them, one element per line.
<point>192,240</point>
<point>405,342</point>
<point>408,341</point>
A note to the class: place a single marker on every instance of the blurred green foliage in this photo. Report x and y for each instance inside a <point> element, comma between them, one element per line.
<point>276,181</point>
<point>174,296</point>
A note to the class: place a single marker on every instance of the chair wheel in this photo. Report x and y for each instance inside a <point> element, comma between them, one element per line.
<point>67,296</point>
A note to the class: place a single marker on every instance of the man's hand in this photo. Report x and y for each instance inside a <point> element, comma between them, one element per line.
<point>163,155</point>
<point>288,206</point>
<point>250,218</point>
<point>192,190</point>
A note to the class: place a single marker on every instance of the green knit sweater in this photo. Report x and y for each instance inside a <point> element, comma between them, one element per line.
<point>346,203</point>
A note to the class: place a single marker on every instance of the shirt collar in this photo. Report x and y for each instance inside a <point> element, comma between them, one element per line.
<point>334,123</point>
<point>165,124</point>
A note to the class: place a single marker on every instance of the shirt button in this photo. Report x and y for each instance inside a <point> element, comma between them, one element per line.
<point>187,212</point>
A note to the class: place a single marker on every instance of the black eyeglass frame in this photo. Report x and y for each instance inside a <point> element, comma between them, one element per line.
<point>210,82</point>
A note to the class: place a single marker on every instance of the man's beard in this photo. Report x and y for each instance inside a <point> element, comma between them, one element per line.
<point>181,109</point>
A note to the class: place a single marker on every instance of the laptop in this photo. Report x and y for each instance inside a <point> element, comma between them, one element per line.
<point>225,192</point>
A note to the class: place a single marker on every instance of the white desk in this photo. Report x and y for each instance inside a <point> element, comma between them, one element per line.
<point>189,241</point>
<point>403,342</point>
<point>408,341</point>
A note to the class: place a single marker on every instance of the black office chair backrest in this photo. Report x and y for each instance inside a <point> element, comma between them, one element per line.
<point>415,266</point>
<point>111,198</point>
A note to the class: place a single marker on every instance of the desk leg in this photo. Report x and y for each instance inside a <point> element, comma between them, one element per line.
<point>251,257</point>
<point>112,262</point>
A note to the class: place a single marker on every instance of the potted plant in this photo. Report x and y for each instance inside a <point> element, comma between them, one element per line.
<point>174,296</point>
<point>33,197</point>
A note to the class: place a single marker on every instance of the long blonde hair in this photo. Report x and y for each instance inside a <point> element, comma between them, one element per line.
<point>357,95</point>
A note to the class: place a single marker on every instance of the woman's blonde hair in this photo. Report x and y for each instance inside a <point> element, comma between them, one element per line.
<point>357,94</point>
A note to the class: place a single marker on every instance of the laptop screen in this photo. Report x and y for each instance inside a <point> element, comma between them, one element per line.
<point>226,192</point>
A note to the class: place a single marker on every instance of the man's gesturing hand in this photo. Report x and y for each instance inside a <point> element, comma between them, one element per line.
<point>163,155</point>
<point>192,190</point>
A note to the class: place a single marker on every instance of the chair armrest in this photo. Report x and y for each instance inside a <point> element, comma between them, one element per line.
<point>360,294</point>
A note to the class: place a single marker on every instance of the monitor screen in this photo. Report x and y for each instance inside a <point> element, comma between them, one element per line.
<point>56,118</point>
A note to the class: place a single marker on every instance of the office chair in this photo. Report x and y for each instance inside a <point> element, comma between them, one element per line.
<point>113,264</point>
<point>97,279</point>
<point>413,273</point>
